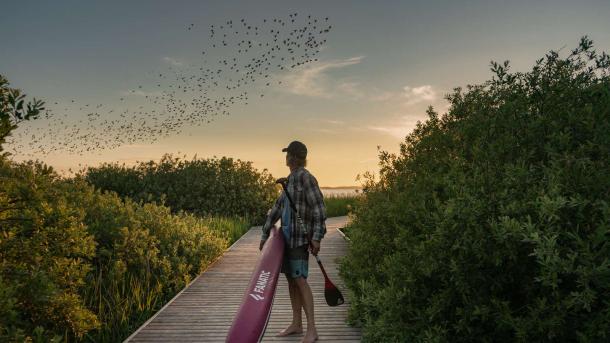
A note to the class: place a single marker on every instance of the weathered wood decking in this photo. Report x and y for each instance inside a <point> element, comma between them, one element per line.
<point>204,310</point>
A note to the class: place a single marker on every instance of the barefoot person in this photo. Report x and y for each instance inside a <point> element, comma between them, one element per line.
<point>305,192</point>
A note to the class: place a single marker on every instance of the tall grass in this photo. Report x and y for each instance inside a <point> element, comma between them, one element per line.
<point>229,228</point>
<point>124,303</point>
<point>340,205</point>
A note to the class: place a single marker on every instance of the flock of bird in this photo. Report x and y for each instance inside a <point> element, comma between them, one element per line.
<point>240,61</point>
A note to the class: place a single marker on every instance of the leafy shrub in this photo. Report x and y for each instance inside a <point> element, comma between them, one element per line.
<point>144,256</point>
<point>78,264</point>
<point>492,223</point>
<point>44,254</point>
<point>205,187</point>
<point>14,110</point>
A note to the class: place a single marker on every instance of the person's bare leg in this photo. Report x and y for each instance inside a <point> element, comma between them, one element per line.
<point>307,299</point>
<point>295,300</point>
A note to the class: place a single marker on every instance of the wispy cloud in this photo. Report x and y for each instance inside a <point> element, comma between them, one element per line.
<point>408,96</point>
<point>323,125</point>
<point>313,80</point>
<point>324,130</point>
<point>352,89</point>
<point>400,129</point>
<point>384,96</point>
<point>408,106</point>
<point>414,95</point>
<point>173,61</point>
<point>327,121</point>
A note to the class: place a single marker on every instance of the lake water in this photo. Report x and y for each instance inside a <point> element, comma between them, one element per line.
<point>330,192</point>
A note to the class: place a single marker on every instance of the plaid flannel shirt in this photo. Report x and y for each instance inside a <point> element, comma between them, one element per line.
<point>305,192</point>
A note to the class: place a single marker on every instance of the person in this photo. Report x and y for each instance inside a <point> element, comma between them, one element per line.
<point>305,192</point>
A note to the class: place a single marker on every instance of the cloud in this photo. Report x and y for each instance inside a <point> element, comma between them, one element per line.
<point>323,130</point>
<point>402,128</point>
<point>414,95</point>
<point>327,121</point>
<point>173,61</point>
<point>384,96</point>
<point>323,125</point>
<point>313,81</point>
<point>351,89</point>
<point>408,96</point>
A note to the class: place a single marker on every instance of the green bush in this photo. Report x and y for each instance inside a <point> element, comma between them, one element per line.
<point>492,223</point>
<point>205,187</point>
<point>77,264</point>
<point>80,265</point>
<point>144,256</point>
<point>14,110</point>
<point>45,251</point>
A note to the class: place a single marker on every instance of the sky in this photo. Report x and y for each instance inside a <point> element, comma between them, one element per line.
<point>383,63</point>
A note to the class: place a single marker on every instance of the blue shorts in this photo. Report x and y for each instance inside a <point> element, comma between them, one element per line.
<point>296,262</point>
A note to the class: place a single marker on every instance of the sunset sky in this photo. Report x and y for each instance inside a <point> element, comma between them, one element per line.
<point>383,63</point>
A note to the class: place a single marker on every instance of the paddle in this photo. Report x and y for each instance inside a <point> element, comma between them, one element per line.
<point>331,293</point>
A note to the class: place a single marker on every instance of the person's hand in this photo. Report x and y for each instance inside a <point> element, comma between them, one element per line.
<point>315,247</point>
<point>260,247</point>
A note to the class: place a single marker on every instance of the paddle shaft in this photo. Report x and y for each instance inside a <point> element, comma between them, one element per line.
<point>322,268</point>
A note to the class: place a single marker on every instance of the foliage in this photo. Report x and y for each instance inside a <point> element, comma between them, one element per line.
<point>205,187</point>
<point>492,223</point>
<point>44,254</point>
<point>14,110</point>
<point>145,255</point>
<point>340,205</point>
<point>77,264</point>
<point>229,228</point>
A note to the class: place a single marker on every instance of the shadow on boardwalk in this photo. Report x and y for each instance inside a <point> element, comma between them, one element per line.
<point>204,310</point>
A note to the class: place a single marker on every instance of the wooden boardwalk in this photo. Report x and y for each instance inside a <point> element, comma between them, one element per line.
<point>204,310</point>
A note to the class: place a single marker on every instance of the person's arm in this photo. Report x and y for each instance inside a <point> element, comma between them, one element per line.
<point>272,218</point>
<point>315,200</point>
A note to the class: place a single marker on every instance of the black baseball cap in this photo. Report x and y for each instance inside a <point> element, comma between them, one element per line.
<point>296,148</point>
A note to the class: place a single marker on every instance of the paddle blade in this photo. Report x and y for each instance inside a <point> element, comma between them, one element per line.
<point>331,292</point>
<point>333,295</point>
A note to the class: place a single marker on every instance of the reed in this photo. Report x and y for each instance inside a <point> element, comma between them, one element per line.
<point>340,205</point>
<point>124,298</point>
<point>229,228</point>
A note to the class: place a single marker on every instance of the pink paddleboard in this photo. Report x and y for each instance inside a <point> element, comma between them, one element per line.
<point>251,319</point>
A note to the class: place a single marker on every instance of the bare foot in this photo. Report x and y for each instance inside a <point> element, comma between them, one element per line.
<point>291,329</point>
<point>310,337</point>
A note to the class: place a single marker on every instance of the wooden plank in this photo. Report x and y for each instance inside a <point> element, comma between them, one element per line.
<point>204,309</point>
